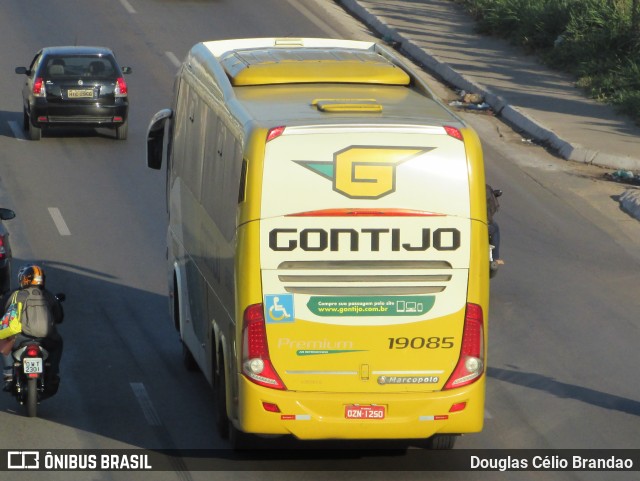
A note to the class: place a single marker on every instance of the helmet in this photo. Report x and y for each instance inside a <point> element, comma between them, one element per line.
<point>30,276</point>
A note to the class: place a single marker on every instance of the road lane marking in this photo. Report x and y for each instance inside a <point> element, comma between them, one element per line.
<point>17,131</point>
<point>58,220</point>
<point>145,403</point>
<point>173,59</point>
<point>127,6</point>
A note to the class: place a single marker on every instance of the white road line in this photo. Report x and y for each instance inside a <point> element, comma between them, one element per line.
<point>145,403</point>
<point>59,221</point>
<point>17,131</point>
<point>174,60</point>
<point>127,6</point>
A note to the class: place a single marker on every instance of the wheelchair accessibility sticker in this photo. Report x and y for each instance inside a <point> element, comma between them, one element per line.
<point>279,308</point>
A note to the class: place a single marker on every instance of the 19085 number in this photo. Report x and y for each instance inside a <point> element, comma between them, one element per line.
<point>421,343</point>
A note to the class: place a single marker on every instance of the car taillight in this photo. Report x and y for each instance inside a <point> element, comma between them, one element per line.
<point>3,249</point>
<point>471,362</point>
<point>121,88</point>
<point>256,364</point>
<point>38,87</point>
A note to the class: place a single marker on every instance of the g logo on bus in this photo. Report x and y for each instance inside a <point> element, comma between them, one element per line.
<point>364,172</point>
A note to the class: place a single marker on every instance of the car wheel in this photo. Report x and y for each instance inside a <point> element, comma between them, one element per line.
<point>25,120</point>
<point>122,130</point>
<point>35,133</point>
<point>5,281</point>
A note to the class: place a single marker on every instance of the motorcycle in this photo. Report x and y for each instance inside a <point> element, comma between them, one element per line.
<point>30,367</point>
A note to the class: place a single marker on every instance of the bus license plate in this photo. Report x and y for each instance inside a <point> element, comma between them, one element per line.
<point>32,365</point>
<point>364,412</point>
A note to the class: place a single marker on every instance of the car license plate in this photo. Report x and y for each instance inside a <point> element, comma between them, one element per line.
<point>80,94</point>
<point>357,411</point>
<point>32,365</point>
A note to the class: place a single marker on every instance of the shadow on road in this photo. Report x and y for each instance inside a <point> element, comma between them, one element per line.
<point>565,390</point>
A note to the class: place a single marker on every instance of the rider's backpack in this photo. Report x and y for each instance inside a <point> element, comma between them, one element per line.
<point>37,319</point>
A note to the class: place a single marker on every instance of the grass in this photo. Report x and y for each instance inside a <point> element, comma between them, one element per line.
<point>597,41</point>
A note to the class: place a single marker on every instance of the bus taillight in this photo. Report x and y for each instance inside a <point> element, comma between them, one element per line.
<point>471,362</point>
<point>275,132</point>
<point>256,364</point>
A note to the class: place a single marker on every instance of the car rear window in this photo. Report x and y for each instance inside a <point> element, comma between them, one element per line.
<point>80,66</point>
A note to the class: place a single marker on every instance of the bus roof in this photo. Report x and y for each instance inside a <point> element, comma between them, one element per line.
<point>315,81</point>
<point>271,66</point>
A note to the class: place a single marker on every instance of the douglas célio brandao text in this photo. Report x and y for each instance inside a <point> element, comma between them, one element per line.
<point>551,463</point>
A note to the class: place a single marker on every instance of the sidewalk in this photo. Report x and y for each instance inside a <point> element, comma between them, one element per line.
<point>542,103</point>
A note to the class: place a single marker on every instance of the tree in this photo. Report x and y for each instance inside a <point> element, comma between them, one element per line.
<point>635,19</point>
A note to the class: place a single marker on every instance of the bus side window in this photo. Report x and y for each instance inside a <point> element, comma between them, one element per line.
<point>179,136</point>
<point>211,183</point>
<point>192,174</point>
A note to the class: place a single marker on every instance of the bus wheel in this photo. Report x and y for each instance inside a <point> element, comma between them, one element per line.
<point>240,440</point>
<point>219,387</point>
<point>441,441</point>
<point>176,305</point>
<point>187,358</point>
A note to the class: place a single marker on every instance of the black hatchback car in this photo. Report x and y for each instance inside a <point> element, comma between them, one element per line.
<point>75,87</point>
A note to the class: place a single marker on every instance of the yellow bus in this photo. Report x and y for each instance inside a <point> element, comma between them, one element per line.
<point>327,240</point>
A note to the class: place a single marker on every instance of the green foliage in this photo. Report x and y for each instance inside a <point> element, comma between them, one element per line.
<point>533,24</point>
<point>596,40</point>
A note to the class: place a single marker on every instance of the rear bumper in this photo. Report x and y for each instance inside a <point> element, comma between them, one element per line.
<point>309,415</point>
<point>79,115</point>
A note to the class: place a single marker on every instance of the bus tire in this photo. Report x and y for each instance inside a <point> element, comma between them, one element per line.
<point>241,441</point>
<point>176,304</point>
<point>187,358</point>
<point>220,394</point>
<point>441,441</point>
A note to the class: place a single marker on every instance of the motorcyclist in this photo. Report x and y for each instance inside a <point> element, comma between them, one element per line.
<point>31,276</point>
<point>494,230</point>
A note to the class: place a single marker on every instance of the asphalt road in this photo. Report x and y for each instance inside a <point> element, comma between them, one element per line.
<point>564,309</point>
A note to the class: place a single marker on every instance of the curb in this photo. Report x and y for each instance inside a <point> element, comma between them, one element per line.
<point>511,114</point>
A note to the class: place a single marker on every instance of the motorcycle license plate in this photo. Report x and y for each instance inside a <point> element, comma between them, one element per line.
<point>32,365</point>
<point>364,412</point>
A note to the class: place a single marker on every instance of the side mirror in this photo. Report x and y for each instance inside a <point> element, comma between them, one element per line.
<point>6,214</point>
<point>22,71</point>
<point>155,138</point>
<point>497,192</point>
<point>126,70</point>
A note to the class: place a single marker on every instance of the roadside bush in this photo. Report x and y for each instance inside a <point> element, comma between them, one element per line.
<point>532,24</point>
<point>595,40</point>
